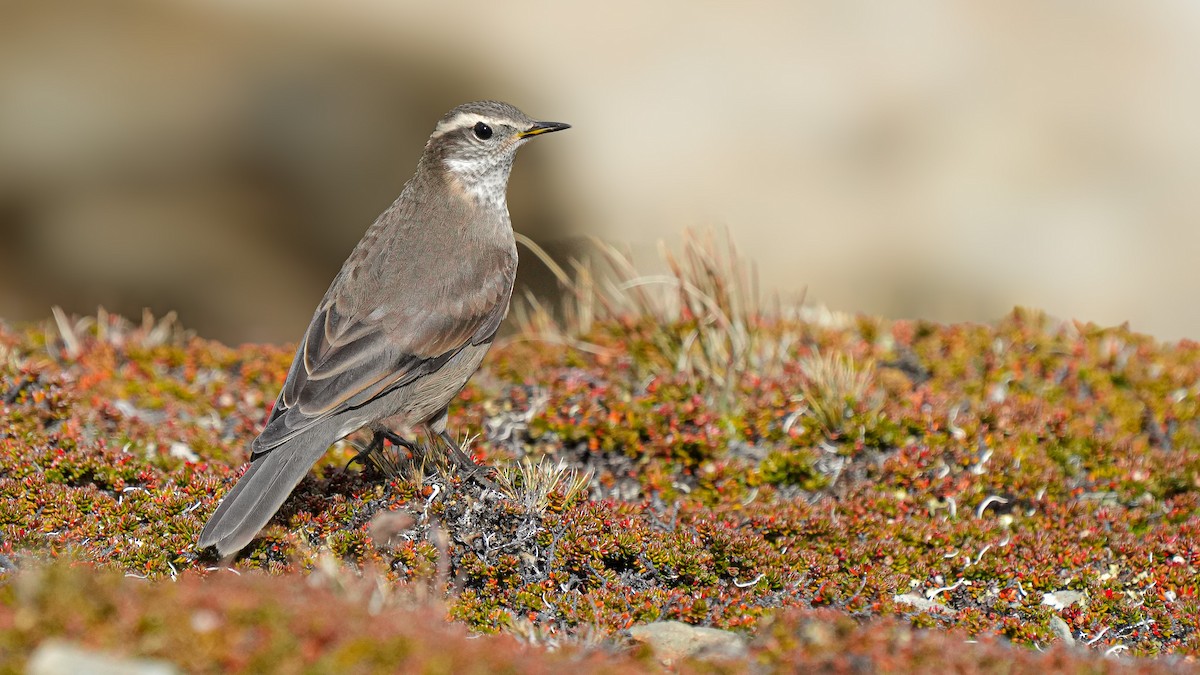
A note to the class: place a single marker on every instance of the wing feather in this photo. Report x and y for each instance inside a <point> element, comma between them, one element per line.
<point>353,353</point>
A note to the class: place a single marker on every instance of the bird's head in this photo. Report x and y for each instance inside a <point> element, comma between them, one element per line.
<point>476,143</point>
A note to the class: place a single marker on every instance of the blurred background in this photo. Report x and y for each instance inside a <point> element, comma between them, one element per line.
<point>915,158</point>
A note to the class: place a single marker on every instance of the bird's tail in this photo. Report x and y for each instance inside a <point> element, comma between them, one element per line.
<point>262,490</point>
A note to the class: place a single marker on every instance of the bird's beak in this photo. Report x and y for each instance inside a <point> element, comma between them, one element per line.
<point>543,128</point>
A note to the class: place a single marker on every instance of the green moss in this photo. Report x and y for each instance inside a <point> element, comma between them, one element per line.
<point>793,467</point>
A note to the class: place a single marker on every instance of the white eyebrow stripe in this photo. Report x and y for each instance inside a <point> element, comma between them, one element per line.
<point>467,119</point>
<point>459,121</point>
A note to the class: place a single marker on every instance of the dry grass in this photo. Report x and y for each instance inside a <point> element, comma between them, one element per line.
<point>535,485</point>
<point>117,330</point>
<point>431,457</point>
<point>834,388</point>
<point>714,324</point>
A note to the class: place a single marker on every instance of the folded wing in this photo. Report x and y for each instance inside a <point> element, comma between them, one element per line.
<point>346,360</point>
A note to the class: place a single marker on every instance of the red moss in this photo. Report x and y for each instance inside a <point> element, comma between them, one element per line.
<point>984,467</point>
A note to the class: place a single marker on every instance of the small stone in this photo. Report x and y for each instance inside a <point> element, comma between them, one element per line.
<point>923,604</point>
<point>1062,630</point>
<point>1061,599</point>
<point>183,451</point>
<point>54,657</point>
<point>673,641</point>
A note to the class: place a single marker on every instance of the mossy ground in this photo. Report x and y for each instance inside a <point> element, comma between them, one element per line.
<point>983,467</point>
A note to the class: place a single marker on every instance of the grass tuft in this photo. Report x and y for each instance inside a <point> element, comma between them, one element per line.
<point>544,485</point>
<point>834,389</point>
<point>707,314</point>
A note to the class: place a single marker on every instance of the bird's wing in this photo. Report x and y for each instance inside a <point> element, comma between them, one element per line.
<point>347,357</point>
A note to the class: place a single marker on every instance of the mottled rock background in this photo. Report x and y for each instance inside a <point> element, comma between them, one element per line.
<point>915,158</point>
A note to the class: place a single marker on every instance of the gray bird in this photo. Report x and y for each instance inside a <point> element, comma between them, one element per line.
<point>405,322</point>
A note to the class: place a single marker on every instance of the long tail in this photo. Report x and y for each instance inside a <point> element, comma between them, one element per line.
<point>262,490</point>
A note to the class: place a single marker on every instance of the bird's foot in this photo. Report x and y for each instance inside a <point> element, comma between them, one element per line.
<point>465,465</point>
<point>380,435</point>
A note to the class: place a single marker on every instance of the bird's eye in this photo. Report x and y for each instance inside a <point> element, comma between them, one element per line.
<point>482,131</point>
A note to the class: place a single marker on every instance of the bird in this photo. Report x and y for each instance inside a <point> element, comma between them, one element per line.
<point>405,322</point>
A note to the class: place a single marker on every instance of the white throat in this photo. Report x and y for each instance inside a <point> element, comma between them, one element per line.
<point>486,182</point>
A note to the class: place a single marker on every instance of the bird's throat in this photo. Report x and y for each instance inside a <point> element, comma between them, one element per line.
<point>486,185</point>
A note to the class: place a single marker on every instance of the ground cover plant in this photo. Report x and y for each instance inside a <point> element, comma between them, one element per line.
<point>846,493</point>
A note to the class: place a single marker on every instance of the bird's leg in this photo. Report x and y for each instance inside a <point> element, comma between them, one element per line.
<point>396,439</point>
<point>380,435</point>
<point>463,462</point>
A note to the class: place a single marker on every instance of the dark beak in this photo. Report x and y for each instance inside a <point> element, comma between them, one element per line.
<point>543,128</point>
